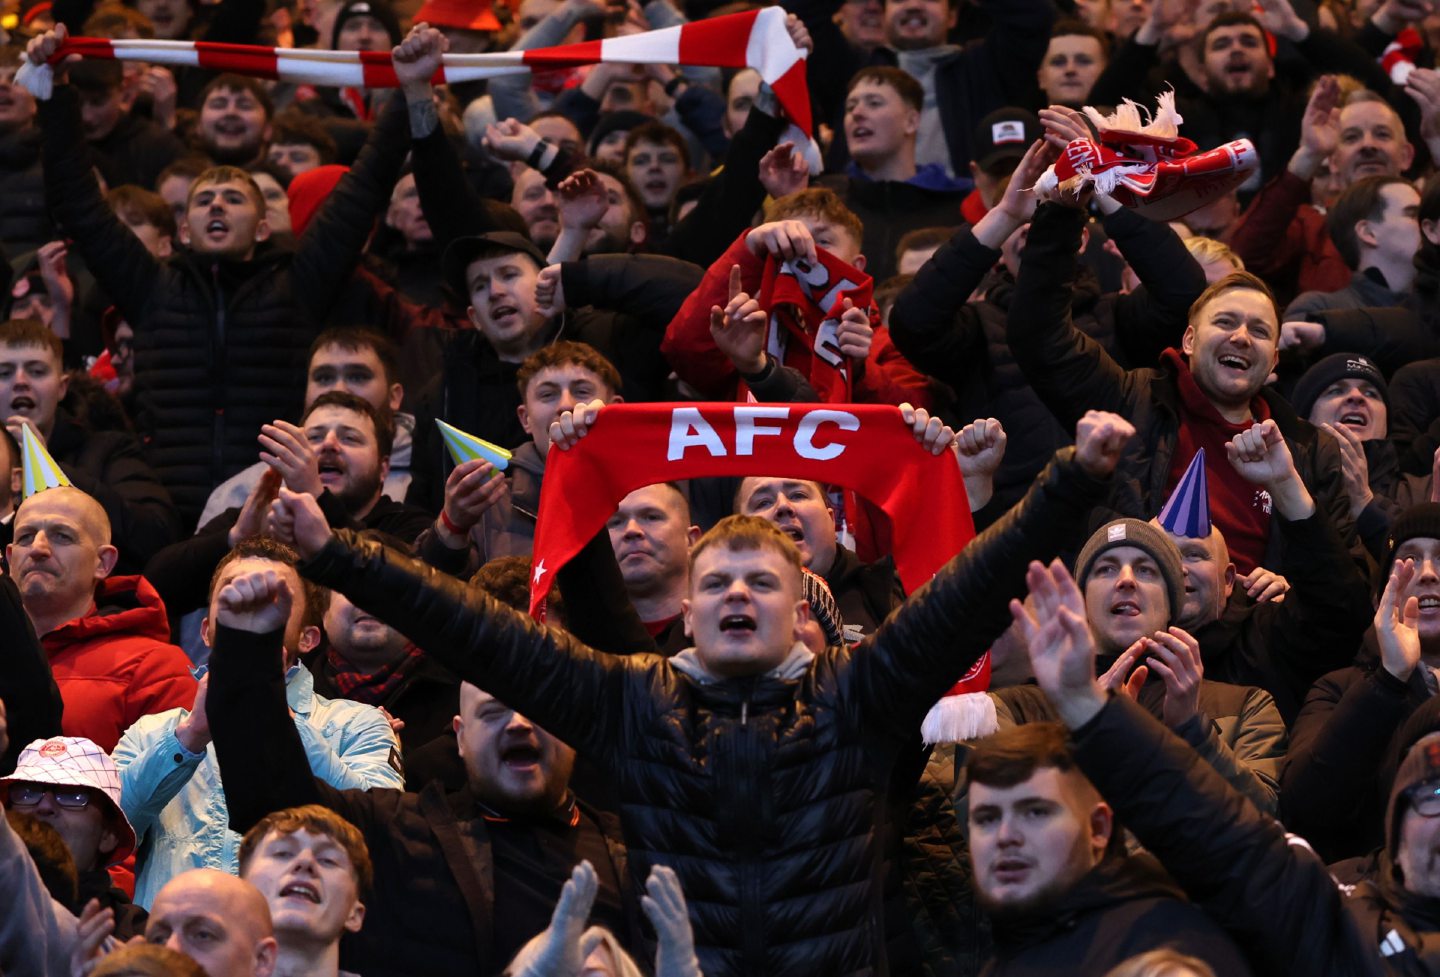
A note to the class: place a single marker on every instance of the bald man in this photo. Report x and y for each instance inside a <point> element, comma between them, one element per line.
<point>107,637</point>
<point>219,921</point>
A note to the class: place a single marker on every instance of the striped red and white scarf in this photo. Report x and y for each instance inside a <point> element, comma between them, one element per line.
<point>754,39</point>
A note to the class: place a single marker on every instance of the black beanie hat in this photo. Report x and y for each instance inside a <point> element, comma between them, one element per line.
<point>379,9</point>
<point>1336,366</point>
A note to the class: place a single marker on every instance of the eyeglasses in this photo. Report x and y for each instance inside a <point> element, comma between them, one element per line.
<point>29,795</point>
<point>1425,799</point>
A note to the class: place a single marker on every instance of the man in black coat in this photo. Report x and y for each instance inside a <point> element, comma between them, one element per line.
<point>462,880</point>
<point>754,766</point>
<point>339,455</point>
<point>222,328</point>
<point>1051,869</point>
<point>1276,899</point>
<point>1333,785</point>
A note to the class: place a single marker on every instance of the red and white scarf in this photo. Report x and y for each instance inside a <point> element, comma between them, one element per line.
<point>806,302</point>
<point>867,448</point>
<point>754,39</point>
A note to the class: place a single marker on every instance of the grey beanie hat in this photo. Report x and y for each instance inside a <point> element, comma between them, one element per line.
<point>1143,536</point>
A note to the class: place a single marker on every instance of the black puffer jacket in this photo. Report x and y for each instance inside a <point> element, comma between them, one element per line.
<point>765,793</point>
<point>220,347</point>
<point>24,220</point>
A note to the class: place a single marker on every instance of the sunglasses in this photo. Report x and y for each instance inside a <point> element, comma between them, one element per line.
<point>29,795</point>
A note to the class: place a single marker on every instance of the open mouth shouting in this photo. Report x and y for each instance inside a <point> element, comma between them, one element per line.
<point>737,624</point>
<point>522,758</point>
<point>332,471</point>
<point>23,405</point>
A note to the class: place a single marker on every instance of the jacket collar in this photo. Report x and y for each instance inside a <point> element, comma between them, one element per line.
<point>300,689</point>
<point>796,662</point>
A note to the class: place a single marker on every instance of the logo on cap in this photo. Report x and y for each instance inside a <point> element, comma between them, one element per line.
<point>1114,533</point>
<point>1011,130</point>
<point>54,748</point>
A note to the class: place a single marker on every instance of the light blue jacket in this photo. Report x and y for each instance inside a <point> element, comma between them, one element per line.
<point>175,801</point>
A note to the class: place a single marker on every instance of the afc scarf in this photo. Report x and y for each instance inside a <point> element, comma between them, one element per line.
<point>866,448</point>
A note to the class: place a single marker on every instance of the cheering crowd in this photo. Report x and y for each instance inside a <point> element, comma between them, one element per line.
<point>944,567</point>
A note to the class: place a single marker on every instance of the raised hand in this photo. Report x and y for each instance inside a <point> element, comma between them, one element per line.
<point>854,334</point>
<point>560,953</point>
<point>51,258</point>
<point>1394,15</point>
<point>739,328</point>
<point>1124,677</point>
<point>1298,334</point>
<point>1175,657</point>
<point>94,927</point>
<point>252,518</point>
<point>511,139</point>
<point>1264,585</point>
<point>1319,128</point>
<point>1261,455</point>
<point>1423,85</point>
<point>1100,437</point>
<point>286,450</point>
<point>1063,125</point>
<point>297,520</point>
<point>471,488</point>
<point>1062,649</point>
<point>783,171</point>
<point>1279,18</point>
<point>572,425</point>
<point>933,434</point>
<point>43,47</point>
<point>799,34</point>
<point>1354,467</point>
<point>787,240</point>
<point>193,731</point>
<point>981,447</point>
<point>549,291</point>
<point>258,602</point>
<point>582,200</point>
<point>1397,625</point>
<point>664,905</point>
<point>1017,204</point>
<point>159,84</point>
<point>417,58</point>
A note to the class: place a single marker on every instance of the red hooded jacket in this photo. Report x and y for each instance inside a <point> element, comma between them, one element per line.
<point>117,664</point>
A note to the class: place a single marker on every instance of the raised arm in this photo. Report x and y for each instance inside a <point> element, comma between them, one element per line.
<point>327,252</point>
<point>1069,371</point>
<point>1228,857</point>
<point>121,264</point>
<point>583,696</point>
<point>944,627</point>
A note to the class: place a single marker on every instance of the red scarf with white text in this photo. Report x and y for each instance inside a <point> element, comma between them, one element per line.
<point>867,448</point>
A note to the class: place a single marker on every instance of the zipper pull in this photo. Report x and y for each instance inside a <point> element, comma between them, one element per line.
<point>744,710</point>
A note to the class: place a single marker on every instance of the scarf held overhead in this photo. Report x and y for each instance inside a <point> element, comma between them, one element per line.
<point>868,448</point>
<point>799,294</point>
<point>754,39</point>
